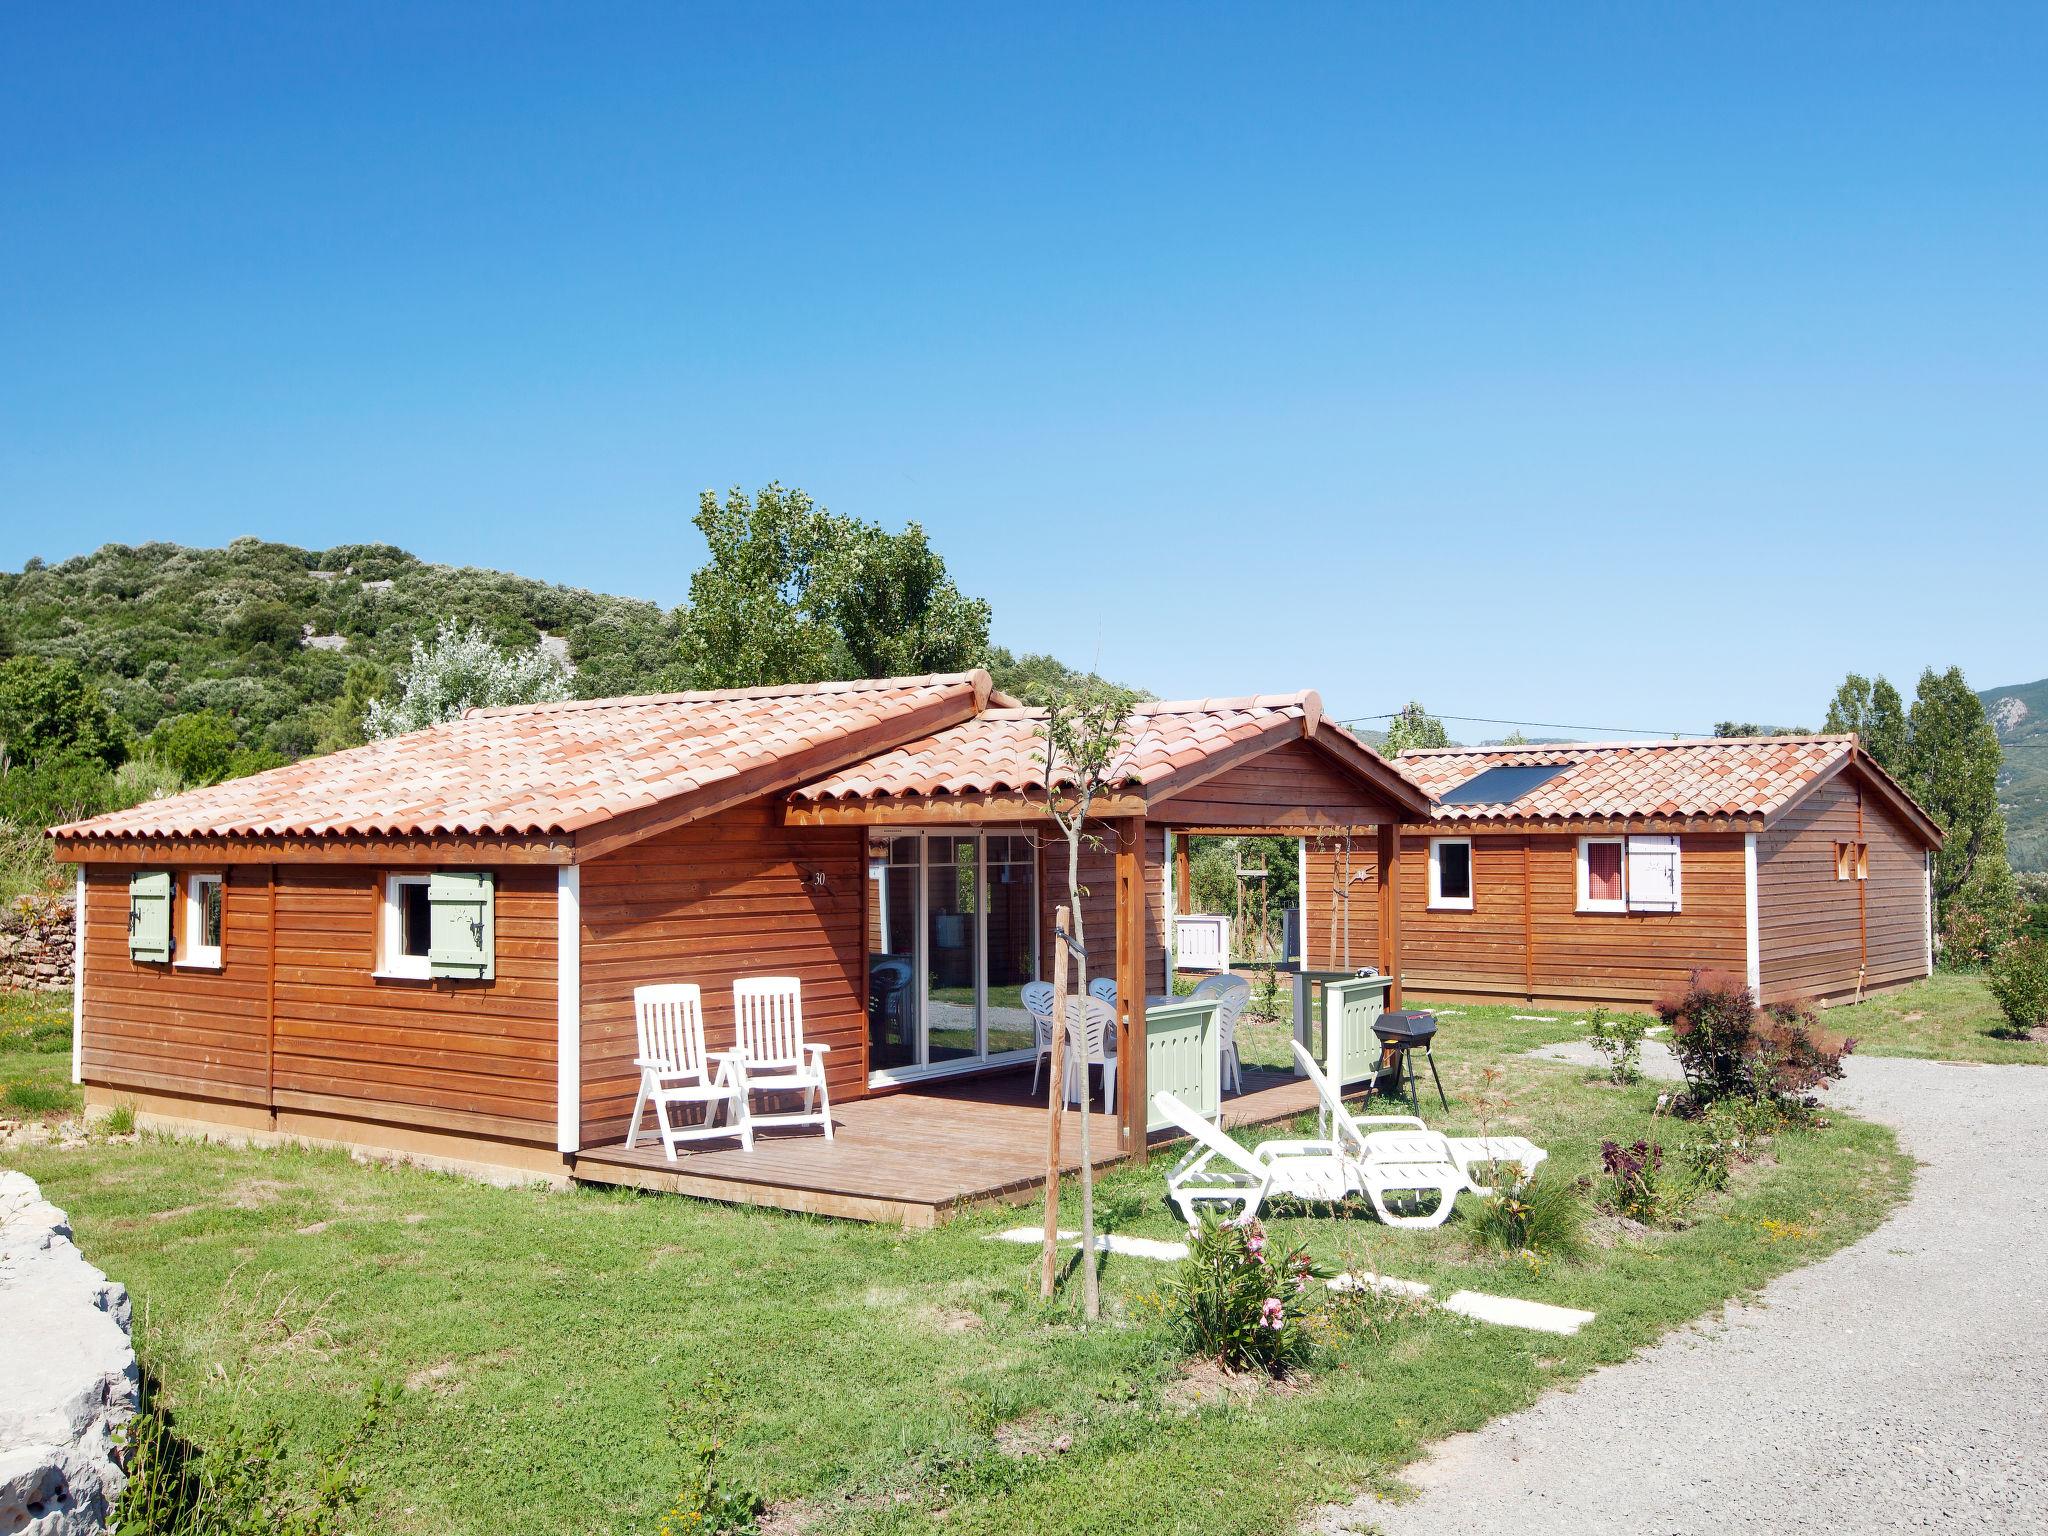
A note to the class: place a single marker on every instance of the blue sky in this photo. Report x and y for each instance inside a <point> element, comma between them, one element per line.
<point>1606,364</point>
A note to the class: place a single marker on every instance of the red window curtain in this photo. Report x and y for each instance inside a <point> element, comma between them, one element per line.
<point>1603,871</point>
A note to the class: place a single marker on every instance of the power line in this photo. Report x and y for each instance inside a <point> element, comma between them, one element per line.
<point>1541,725</point>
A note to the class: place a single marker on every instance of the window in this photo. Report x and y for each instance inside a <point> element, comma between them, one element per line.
<point>1852,861</point>
<point>406,927</point>
<point>1602,884</point>
<point>1450,874</point>
<point>200,935</point>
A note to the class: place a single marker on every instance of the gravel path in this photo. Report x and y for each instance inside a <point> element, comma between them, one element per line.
<point>1900,1385</point>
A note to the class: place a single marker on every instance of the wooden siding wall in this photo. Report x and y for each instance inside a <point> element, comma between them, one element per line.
<point>1620,958</point>
<point>169,1029</point>
<point>1098,908</point>
<point>1292,786</point>
<point>476,1056</point>
<point>304,1025</point>
<point>1810,926</point>
<point>1344,876</point>
<point>722,898</point>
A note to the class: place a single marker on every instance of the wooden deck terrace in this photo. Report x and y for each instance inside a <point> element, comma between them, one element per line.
<point>914,1156</point>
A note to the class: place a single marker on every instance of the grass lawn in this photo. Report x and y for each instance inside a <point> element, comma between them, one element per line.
<point>35,1055</point>
<point>882,1381</point>
<point>1948,1017</point>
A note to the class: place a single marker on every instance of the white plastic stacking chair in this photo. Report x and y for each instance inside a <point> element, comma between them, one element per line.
<point>1036,997</point>
<point>1103,987</point>
<point>668,1023</point>
<point>1232,992</point>
<point>768,1019</point>
<point>1091,1042</point>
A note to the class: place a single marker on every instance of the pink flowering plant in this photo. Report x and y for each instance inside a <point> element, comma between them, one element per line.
<point>1243,1299</point>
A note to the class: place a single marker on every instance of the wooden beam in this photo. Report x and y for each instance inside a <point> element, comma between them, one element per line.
<point>454,849</point>
<point>1131,910</point>
<point>944,810</point>
<point>1390,910</point>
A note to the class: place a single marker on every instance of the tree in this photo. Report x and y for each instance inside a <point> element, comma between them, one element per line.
<point>895,608</point>
<point>1952,760</point>
<point>1086,745</point>
<point>1037,676</point>
<point>48,708</point>
<point>1876,713</point>
<point>461,670</point>
<point>204,747</point>
<point>1413,727</point>
<point>793,593</point>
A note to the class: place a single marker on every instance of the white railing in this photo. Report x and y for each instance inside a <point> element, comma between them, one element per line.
<point>1201,943</point>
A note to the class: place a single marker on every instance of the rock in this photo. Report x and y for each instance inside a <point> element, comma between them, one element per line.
<point>69,1368</point>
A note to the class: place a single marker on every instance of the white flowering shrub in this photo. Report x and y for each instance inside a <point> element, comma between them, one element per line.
<point>460,669</point>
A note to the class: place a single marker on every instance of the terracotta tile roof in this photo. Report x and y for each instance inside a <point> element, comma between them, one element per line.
<point>1001,749</point>
<point>1720,776</point>
<point>545,769</point>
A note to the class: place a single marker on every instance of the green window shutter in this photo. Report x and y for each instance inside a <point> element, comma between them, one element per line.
<point>149,915</point>
<point>459,935</point>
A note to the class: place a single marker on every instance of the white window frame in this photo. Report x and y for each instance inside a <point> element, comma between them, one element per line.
<point>1586,901</point>
<point>189,952</point>
<point>391,961</point>
<point>1438,901</point>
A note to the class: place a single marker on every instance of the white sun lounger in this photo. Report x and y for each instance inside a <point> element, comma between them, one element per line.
<point>1405,1137</point>
<point>1301,1170</point>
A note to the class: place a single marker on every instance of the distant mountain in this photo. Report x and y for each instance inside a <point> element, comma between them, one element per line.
<point>2020,715</point>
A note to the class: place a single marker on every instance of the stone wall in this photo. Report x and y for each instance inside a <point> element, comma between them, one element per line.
<point>69,1372</point>
<point>35,944</point>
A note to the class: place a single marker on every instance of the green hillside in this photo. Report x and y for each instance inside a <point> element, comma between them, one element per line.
<point>273,636</point>
<point>2021,716</point>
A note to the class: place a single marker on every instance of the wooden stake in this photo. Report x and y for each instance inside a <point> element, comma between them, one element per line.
<point>1049,1267</point>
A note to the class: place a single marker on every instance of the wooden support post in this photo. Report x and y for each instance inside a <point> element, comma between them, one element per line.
<point>1131,977</point>
<point>1390,908</point>
<point>269,992</point>
<point>1183,884</point>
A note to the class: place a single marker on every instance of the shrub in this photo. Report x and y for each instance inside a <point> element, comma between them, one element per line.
<point>2019,981</point>
<point>1709,1158</point>
<point>1620,1040</point>
<point>1540,1217</point>
<point>1731,1048</point>
<point>1237,1300</point>
<point>1636,1186</point>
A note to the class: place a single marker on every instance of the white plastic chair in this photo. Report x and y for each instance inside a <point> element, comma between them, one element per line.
<point>1218,1172</point>
<point>1103,987</point>
<point>1091,1042</point>
<point>1408,1139</point>
<point>668,1023</point>
<point>1232,992</point>
<point>774,1057</point>
<point>1036,997</point>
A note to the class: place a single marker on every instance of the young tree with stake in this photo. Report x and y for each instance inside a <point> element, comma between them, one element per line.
<point>1086,749</point>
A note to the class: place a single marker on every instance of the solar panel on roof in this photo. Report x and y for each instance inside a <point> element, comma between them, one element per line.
<point>1502,784</point>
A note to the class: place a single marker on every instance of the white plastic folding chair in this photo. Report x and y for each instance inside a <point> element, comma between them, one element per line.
<point>1091,1042</point>
<point>675,1069</point>
<point>1232,992</point>
<point>1236,1180</point>
<point>1036,997</point>
<point>774,1057</point>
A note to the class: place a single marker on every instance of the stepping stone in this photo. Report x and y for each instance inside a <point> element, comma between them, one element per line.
<point>1513,1312</point>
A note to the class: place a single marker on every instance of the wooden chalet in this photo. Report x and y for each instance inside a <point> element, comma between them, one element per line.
<point>1605,872</point>
<point>427,946</point>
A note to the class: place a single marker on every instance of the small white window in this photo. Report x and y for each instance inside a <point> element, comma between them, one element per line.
<point>200,929</point>
<point>1602,875</point>
<point>405,927</point>
<point>1450,874</point>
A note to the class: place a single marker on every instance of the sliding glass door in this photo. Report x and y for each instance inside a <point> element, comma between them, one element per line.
<point>952,939</point>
